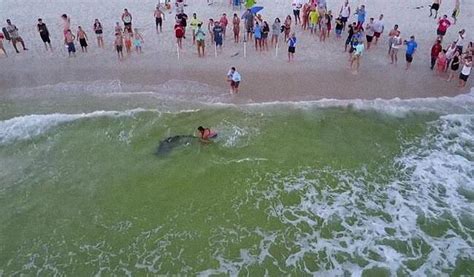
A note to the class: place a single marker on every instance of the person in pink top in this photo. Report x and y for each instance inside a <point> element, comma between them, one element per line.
<point>443,25</point>
<point>224,22</point>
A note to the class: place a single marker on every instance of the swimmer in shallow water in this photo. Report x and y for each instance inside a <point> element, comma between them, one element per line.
<point>205,134</point>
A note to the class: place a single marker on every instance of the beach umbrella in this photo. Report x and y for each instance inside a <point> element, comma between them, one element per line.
<point>256,9</point>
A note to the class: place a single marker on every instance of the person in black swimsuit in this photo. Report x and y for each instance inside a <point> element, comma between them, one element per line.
<point>44,34</point>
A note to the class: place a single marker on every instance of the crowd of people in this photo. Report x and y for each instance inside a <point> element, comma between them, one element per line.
<point>311,16</point>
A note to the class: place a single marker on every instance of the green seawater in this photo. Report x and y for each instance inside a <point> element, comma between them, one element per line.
<point>282,190</point>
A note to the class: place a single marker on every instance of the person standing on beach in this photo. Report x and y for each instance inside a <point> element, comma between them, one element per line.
<point>159,17</point>
<point>466,71</point>
<point>99,33</point>
<point>435,50</point>
<point>179,33</point>
<point>69,41</point>
<point>127,39</point>
<point>200,40</point>
<point>396,45</point>
<point>454,67</point>
<point>218,35</point>
<point>265,32</point>
<point>361,16</point>
<point>44,34</point>
<point>182,18</point>
<point>339,27</point>
<point>291,47</point>
<point>323,27</point>
<point>410,51</point>
<point>66,23</point>
<point>391,35</point>
<point>194,22</point>
<point>456,10</point>
<point>460,40</point>
<point>224,22</point>
<point>127,20</point>
<point>210,26</point>
<point>450,50</point>
<point>236,28</point>
<point>276,30</point>
<point>296,10</point>
<point>313,21</point>
<point>350,34</point>
<point>441,63</point>
<point>234,78</point>
<point>14,36</point>
<point>378,28</point>
<point>345,13</point>
<point>257,33</point>
<point>356,56</point>
<point>118,43</point>
<point>118,28</point>
<point>443,25</point>
<point>1,45</point>
<point>369,32</point>
<point>305,10</point>
<point>137,41</point>
<point>82,38</point>
<point>249,22</point>
<point>287,27</point>
<point>435,7</point>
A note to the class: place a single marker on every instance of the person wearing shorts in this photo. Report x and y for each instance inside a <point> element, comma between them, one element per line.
<point>159,15</point>
<point>345,13</point>
<point>44,34</point>
<point>291,47</point>
<point>118,43</point>
<point>465,72</point>
<point>99,33</point>
<point>435,7</point>
<point>234,78</point>
<point>127,20</point>
<point>410,51</point>
<point>15,37</point>
<point>69,40</point>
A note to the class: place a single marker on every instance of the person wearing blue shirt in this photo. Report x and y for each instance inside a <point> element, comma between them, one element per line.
<point>360,16</point>
<point>291,47</point>
<point>411,49</point>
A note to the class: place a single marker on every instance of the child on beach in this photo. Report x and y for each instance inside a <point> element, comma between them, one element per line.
<point>1,45</point>
<point>179,33</point>
<point>291,47</point>
<point>257,33</point>
<point>323,27</point>
<point>236,28</point>
<point>313,21</point>
<point>118,43</point>
<point>99,33</point>
<point>44,34</point>
<point>441,63</point>
<point>138,41</point>
<point>356,56</point>
<point>127,38</point>
<point>200,40</point>
<point>82,38</point>
<point>69,41</point>
<point>210,26</point>
<point>466,71</point>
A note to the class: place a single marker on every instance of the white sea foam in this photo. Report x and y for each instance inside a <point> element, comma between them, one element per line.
<point>29,126</point>
<point>385,222</point>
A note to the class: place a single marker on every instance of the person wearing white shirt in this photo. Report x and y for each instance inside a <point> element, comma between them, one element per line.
<point>234,78</point>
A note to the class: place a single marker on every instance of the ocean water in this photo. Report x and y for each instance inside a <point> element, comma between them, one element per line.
<point>361,188</point>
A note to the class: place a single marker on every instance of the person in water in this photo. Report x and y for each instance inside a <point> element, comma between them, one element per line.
<point>205,133</point>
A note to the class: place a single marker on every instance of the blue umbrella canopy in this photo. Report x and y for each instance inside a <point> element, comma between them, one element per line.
<point>256,9</point>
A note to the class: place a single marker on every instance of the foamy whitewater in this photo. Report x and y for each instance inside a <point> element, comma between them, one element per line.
<point>327,187</point>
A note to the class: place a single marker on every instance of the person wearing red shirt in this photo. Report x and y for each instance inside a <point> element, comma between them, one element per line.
<point>443,25</point>
<point>435,50</point>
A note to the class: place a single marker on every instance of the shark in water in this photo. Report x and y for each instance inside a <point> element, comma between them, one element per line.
<point>167,145</point>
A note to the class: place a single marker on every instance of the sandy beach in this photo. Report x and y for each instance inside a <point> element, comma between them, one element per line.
<point>320,70</point>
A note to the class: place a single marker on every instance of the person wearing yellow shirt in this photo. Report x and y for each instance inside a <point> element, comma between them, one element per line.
<point>194,23</point>
<point>313,20</point>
